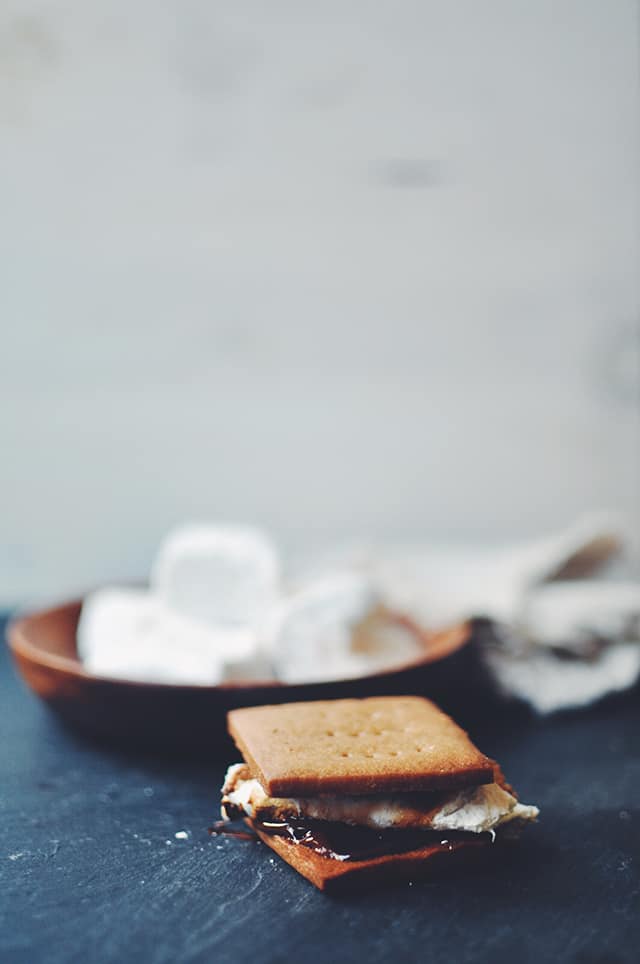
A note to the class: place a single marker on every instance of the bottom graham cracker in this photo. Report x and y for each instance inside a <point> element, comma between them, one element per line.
<point>347,876</point>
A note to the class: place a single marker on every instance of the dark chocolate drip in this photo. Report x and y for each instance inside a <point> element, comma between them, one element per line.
<point>222,828</point>
<point>341,841</point>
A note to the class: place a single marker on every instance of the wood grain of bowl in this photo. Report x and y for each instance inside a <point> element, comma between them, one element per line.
<point>187,718</point>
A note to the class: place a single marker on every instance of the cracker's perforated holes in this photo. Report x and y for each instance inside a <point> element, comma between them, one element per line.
<point>345,753</point>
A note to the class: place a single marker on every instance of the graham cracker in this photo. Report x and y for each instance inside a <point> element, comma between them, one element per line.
<point>373,745</point>
<point>340,877</point>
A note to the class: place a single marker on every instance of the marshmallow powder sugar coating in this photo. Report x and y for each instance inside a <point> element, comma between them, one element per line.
<point>353,792</point>
<point>127,633</point>
<point>218,575</point>
<point>334,627</point>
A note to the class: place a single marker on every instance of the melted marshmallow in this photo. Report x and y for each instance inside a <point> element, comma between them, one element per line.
<point>477,810</point>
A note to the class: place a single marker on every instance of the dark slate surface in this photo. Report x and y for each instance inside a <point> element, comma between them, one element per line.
<point>91,870</point>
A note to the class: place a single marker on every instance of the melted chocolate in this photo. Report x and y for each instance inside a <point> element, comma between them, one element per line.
<point>340,841</point>
<point>222,828</point>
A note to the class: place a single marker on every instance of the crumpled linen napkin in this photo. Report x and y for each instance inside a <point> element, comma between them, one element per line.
<point>557,643</point>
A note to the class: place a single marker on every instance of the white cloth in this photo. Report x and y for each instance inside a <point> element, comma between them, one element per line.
<point>441,585</point>
<point>539,622</point>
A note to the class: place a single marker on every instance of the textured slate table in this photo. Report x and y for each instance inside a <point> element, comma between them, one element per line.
<point>91,868</point>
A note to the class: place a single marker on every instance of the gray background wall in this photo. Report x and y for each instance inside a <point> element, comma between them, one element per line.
<point>346,270</point>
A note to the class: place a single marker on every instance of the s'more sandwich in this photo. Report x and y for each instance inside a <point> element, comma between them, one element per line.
<point>365,790</point>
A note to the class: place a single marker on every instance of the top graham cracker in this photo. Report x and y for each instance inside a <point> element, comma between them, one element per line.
<point>356,746</point>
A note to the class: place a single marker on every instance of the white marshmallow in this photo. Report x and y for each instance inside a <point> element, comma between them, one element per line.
<point>221,576</point>
<point>311,632</point>
<point>130,634</point>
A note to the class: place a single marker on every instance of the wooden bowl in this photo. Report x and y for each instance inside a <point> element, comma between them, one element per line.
<point>188,718</point>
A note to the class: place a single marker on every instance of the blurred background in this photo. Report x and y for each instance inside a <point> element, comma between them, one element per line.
<point>348,271</point>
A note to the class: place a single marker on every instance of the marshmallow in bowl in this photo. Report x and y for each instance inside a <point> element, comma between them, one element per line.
<point>218,575</point>
<point>131,634</point>
<point>334,628</point>
<point>211,588</point>
<point>310,633</point>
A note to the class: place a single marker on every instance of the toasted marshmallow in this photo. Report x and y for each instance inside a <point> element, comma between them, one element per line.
<point>476,810</point>
<point>481,810</point>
